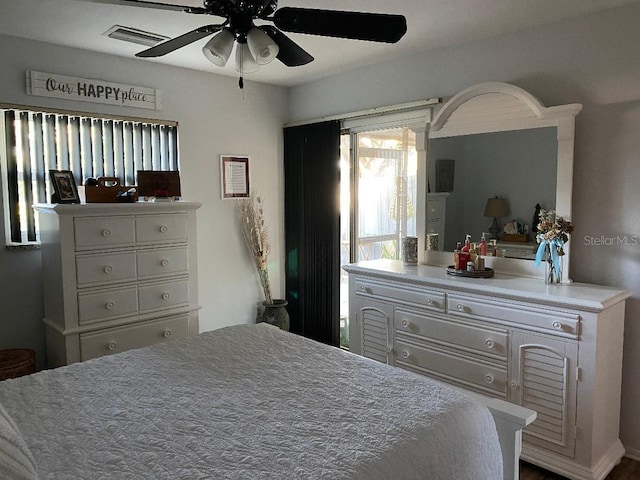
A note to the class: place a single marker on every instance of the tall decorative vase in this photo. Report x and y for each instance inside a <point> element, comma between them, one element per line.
<point>275,313</point>
<point>553,269</point>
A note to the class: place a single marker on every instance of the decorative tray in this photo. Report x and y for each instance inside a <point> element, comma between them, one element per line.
<point>486,273</point>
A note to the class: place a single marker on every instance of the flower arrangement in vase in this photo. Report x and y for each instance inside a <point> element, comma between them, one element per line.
<point>553,233</point>
<point>256,237</point>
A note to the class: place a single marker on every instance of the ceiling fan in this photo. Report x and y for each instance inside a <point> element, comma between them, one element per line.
<point>260,44</point>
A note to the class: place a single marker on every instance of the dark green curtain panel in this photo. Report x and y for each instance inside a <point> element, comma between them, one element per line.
<point>312,229</point>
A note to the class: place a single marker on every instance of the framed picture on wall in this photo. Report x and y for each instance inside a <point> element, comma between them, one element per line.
<point>64,187</point>
<point>234,176</point>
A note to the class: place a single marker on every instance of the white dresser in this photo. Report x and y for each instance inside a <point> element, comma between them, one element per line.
<point>117,276</point>
<point>556,349</point>
<point>436,210</point>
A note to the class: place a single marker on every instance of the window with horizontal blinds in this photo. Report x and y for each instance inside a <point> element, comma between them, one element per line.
<point>36,142</point>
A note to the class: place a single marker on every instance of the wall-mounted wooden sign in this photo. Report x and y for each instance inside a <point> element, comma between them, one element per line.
<point>91,90</point>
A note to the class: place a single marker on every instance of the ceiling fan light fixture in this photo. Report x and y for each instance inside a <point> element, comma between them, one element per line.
<point>245,62</point>
<point>218,49</point>
<point>262,47</point>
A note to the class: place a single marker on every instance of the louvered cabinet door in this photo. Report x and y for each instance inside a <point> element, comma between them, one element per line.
<point>373,328</point>
<point>543,378</point>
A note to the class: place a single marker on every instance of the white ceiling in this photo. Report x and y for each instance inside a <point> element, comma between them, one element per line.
<point>431,24</point>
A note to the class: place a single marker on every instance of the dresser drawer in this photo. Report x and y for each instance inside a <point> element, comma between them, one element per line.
<point>491,341</point>
<point>168,228</point>
<point>435,207</point>
<point>162,261</point>
<point>452,367</point>
<point>114,340</point>
<point>104,232</point>
<point>106,304</point>
<point>557,323</point>
<point>105,268</point>
<point>435,225</point>
<point>159,296</point>
<point>430,299</point>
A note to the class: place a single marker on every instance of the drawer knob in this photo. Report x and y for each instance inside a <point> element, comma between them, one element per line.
<point>405,354</point>
<point>405,323</point>
<point>164,263</point>
<point>166,295</point>
<point>111,346</point>
<point>513,385</point>
<point>108,269</point>
<point>488,378</point>
<point>460,307</point>
<point>167,333</point>
<point>429,302</point>
<point>557,325</point>
<point>163,229</point>
<point>489,343</point>
<point>110,305</point>
<point>106,232</point>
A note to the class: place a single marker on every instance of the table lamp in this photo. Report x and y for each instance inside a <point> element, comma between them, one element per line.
<point>496,208</point>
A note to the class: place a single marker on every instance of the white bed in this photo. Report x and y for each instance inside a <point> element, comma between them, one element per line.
<point>245,402</point>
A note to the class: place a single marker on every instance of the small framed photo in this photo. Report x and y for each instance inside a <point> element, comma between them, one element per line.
<point>64,187</point>
<point>234,176</point>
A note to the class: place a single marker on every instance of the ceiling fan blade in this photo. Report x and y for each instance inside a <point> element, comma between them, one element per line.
<point>143,3</point>
<point>375,27</point>
<point>289,53</point>
<point>179,42</point>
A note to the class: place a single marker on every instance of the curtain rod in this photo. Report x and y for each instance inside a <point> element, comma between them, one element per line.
<point>370,111</point>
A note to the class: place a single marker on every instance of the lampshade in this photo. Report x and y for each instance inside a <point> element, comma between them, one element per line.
<point>244,61</point>
<point>261,46</point>
<point>218,49</point>
<point>496,207</point>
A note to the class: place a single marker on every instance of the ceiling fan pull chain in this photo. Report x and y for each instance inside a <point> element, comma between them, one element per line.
<point>240,60</point>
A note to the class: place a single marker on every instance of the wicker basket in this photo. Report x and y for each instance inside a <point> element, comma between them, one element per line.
<point>17,362</point>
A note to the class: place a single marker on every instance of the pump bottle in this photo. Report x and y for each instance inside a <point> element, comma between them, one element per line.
<point>483,245</point>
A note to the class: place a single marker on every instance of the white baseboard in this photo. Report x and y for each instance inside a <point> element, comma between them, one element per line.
<point>633,454</point>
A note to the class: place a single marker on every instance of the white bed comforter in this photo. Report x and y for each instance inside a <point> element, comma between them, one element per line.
<point>246,402</point>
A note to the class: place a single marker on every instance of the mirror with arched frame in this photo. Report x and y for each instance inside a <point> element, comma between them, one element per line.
<point>533,147</point>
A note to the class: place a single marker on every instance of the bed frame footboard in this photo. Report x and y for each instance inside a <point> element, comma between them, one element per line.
<point>510,419</point>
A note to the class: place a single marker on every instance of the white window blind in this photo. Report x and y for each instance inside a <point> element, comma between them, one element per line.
<point>36,142</point>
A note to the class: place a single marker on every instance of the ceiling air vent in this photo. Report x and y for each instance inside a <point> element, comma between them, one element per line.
<point>134,35</point>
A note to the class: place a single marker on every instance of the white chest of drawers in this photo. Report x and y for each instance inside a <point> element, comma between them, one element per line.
<point>556,349</point>
<point>117,276</point>
<point>436,214</point>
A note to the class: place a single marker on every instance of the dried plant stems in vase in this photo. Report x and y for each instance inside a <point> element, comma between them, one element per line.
<point>256,237</point>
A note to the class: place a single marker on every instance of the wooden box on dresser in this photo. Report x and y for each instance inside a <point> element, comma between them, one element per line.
<point>117,276</point>
<point>556,349</point>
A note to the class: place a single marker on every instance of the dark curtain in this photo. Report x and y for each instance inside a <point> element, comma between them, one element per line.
<point>312,229</point>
